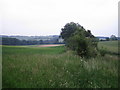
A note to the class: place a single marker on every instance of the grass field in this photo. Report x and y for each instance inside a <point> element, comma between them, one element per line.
<point>110,46</point>
<point>54,67</point>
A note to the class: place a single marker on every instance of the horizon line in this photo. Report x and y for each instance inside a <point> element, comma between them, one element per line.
<point>51,35</point>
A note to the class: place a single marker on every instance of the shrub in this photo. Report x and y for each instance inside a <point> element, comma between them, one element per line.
<point>83,46</point>
<point>79,40</point>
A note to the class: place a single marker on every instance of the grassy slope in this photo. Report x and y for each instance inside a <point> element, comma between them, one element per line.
<point>35,67</point>
<point>111,46</point>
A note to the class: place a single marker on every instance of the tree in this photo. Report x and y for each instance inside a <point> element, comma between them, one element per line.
<point>69,29</point>
<point>10,41</point>
<point>89,34</point>
<point>113,37</point>
<point>79,40</point>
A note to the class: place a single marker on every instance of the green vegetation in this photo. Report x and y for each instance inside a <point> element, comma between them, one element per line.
<point>79,40</point>
<point>54,67</point>
<point>109,46</point>
<point>14,41</point>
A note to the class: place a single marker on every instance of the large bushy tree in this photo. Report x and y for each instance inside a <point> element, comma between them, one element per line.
<point>79,40</point>
<point>69,30</point>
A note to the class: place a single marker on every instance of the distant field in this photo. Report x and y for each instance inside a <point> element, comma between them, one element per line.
<point>55,67</point>
<point>110,46</point>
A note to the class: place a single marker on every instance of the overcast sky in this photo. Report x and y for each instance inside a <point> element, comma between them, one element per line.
<point>47,17</point>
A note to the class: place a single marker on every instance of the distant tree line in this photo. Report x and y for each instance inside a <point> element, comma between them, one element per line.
<point>111,38</point>
<point>14,41</point>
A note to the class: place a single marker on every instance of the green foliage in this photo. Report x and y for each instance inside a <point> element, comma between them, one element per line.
<point>108,47</point>
<point>79,40</point>
<point>84,47</point>
<point>102,51</point>
<point>52,67</point>
<point>69,30</point>
<point>14,41</point>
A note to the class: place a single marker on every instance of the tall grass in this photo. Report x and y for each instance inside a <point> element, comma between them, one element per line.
<point>109,46</point>
<point>54,67</point>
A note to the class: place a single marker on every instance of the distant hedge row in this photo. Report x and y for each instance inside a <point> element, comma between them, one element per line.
<point>14,41</point>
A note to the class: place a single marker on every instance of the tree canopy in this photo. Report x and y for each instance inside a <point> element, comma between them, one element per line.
<point>79,40</point>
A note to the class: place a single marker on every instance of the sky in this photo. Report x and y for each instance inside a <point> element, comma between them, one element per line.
<point>47,17</point>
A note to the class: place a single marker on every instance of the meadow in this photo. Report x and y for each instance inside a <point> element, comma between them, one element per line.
<point>57,67</point>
